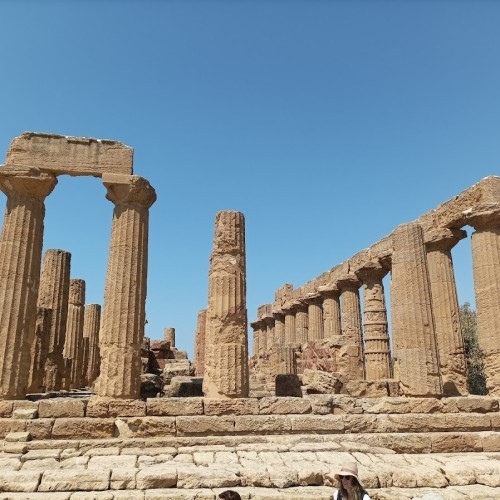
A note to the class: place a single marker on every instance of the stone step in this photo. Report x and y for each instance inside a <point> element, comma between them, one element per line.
<point>476,492</point>
<point>94,468</point>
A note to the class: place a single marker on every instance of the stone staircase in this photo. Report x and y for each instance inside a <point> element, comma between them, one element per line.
<point>272,448</point>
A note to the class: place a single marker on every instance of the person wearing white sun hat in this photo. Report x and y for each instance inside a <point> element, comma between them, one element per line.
<point>349,485</point>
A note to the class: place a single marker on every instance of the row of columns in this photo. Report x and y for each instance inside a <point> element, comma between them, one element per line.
<point>428,344</point>
<point>123,318</point>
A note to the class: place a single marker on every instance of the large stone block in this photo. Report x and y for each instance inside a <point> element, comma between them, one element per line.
<point>174,406</point>
<point>83,428</point>
<point>204,425</point>
<point>284,405</point>
<point>272,424</point>
<point>317,423</point>
<point>60,154</point>
<point>75,480</point>
<point>230,406</point>
<point>61,407</point>
<point>150,426</point>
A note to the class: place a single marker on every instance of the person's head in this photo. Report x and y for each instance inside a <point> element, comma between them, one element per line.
<point>348,480</point>
<point>230,495</point>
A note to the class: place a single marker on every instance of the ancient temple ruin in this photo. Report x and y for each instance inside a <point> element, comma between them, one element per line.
<point>326,329</point>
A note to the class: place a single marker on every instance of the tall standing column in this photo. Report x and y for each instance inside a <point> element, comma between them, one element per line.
<point>290,330</point>
<point>416,362</point>
<point>73,348</point>
<point>279,327</point>
<point>258,340</point>
<point>91,324</point>
<point>20,258</point>
<point>54,294</point>
<point>199,343</point>
<point>269,325</point>
<point>331,310</point>
<point>376,333</point>
<point>226,367</point>
<point>348,285</point>
<point>169,336</point>
<point>446,311</point>
<point>486,265</point>
<point>39,350</point>
<point>301,321</point>
<point>124,314</point>
<point>315,317</point>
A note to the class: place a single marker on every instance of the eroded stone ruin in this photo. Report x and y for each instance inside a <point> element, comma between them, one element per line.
<point>321,387</point>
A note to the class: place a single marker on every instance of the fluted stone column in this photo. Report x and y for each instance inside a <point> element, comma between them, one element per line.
<point>279,328</point>
<point>301,321</point>
<point>124,315</point>
<point>257,349</point>
<point>376,332</point>
<point>269,324</point>
<point>416,363</point>
<point>283,360</point>
<point>91,325</point>
<point>169,336</point>
<point>486,265</point>
<point>331,310</point>
<point>315,317</point>
<point>73,348</point>
<point>39,350</point>
<point>446,310</point>
<point>54,294</point>
<point>20,259</point>
<point>290,329</point>
<point>84,381</point>
<point>199,343</point>
<point>226,367</point>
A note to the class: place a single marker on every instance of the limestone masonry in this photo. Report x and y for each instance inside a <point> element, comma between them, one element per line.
<point>90,408</point>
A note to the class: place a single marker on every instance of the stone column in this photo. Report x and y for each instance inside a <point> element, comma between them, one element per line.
<point>283,361</point>
<point>73,348</point>
<point>39,350</point>
<point>301,321</point>
<point>20,258</point>
<point>290,329</point>
<point>446,310</point>
<point>486,266</point>
<point>416,363</point>
<point>279,327</point>
<point>91,324</point>
<point>315,317</point>
<point>226,367</point>
<point>54,295</point>
<point>256,326</point>
<point>169,335</point>
<point>124,315</point>
<point>199,343</point>
<point>376,332</point>
<point>269,325</point>
<point>84,381</point>
<point>348,285</point>
<point>331,310</point>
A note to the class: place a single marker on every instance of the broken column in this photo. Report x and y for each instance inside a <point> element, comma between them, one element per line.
<point>376,332</point>
<point>226,366</point>
<point>91,324</point>
<point>124,315</point>
<point>290,330</point>
<point>331,310</point>
<point>169,336</point>
<point>73,348</point>
<point>486,266</point>
<point>54,295</point>
<point>199,343</point>
<point>20,259</point>
<point>39,350</point>
<point>416,364</point>
<point>446,310</point>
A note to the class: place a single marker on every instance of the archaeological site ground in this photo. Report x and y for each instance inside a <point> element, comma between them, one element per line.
<point>91,409</point>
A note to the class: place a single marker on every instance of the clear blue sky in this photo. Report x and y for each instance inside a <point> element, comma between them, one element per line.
<point>328,123</point>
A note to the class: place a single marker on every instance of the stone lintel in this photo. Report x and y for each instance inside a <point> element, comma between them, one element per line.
<point>484,216</point>
<point>348,281</point>
<point>59,154</point>
<point>329,290</point>
<point>313,298</point>
<point>443,238</point>
<point>298,305</point>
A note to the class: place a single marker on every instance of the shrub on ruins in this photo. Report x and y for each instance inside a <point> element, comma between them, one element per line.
<point>476,380</point>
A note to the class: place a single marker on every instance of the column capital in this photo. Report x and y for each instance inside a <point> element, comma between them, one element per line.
<point>313,298</point>
<point>371,271</point>
<point>257,324</point>
<point>299,305</point>
<point>484,216</point>
<point>288,307</point>
<point>128,190</point>
<point>346,281</point>
<point>277,311</point>
<point>27,182</point>
<point>329,290</point>
<point>443,238</point>
<point>268,320</point>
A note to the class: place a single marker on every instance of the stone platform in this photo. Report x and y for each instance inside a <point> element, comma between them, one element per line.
<point>192,448</point>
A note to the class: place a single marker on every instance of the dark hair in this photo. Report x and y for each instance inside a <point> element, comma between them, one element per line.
<point>230,495</point>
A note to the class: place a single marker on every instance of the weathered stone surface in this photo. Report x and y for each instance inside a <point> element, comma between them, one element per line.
<point>263,423</point>
<point>60,154</point>
<point>230,407</point>
<point>81,428</point>
<point>284,405</point>
<point>79,480</point>
<point>19,480</point>
<point>319,382</point>
<point>288,385</point>
<point>199,349</point>
<point>204,425</point>
<point>61,407</point>
<point>149,426</point>
<point>166,477</point>
<point>226,355</point>
<point>174,406</point>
